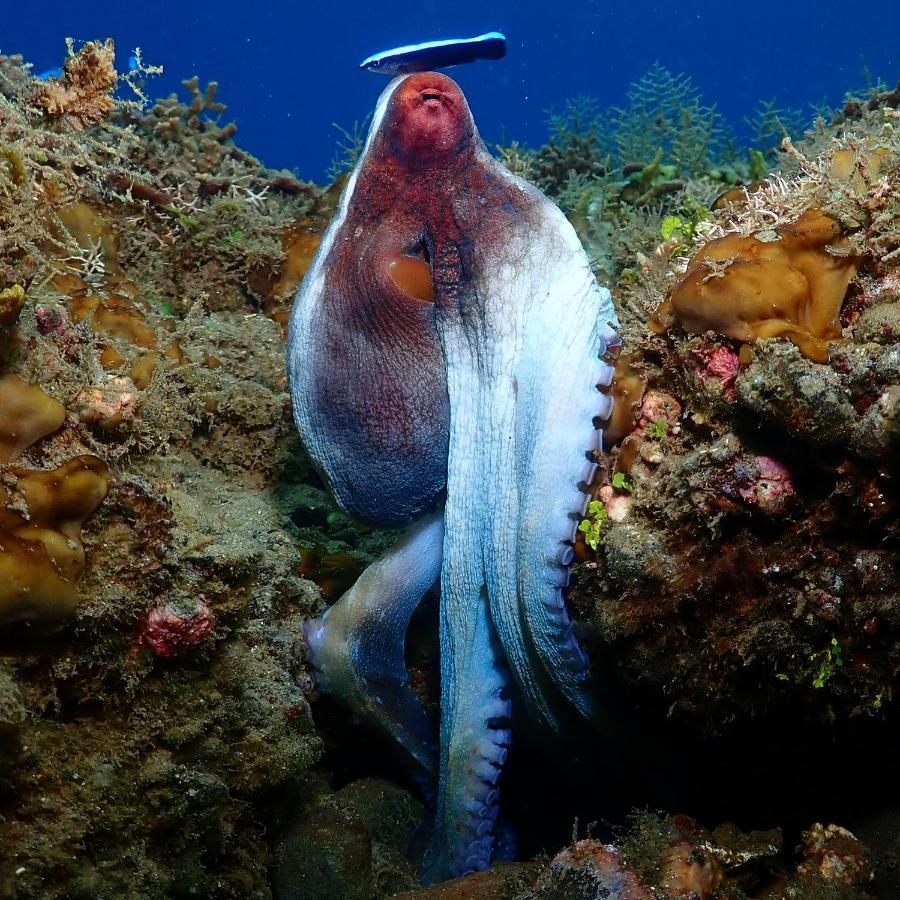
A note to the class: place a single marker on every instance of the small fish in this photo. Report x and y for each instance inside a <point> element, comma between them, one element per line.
<point>437,54</point>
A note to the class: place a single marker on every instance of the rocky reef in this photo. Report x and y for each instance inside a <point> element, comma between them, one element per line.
<point>163,536</point>
<point>746,526</point>
<point>153,711</point>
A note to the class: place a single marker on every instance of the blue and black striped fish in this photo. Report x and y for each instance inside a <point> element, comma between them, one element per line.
<point>431,55</point>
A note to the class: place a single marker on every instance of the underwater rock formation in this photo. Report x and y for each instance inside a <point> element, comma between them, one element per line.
<point>751,561</point>
<point>657,857</point>
<point>153,713</point>
<point>350,844</point>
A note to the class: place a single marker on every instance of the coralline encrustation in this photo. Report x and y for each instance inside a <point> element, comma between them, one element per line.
<point>170,630</point>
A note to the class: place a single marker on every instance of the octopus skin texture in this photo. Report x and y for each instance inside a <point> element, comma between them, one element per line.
<point>445,353</point>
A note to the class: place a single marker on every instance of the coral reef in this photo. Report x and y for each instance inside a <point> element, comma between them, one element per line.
<point>159,524</point>
<point>750,564</point>
<point>153,712</point>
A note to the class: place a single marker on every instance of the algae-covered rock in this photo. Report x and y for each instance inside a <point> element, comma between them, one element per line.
<point>744,524</point>
<point>658,856</point>
<point>350,844</point>
<point>151,741</point>
<point>783,389</point>
<point>12,715</point>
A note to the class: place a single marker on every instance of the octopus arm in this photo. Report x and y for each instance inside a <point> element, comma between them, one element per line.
<point>567,330</point>
<point>522,356</point>
<point>357,645</point>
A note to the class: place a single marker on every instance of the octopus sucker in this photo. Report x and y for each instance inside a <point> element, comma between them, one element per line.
<point>444,355</point>
<point>605,374</point>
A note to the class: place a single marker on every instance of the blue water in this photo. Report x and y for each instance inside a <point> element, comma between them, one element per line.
<point>287,71</point>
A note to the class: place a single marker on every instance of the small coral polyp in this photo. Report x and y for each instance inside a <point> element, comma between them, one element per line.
<point>41,555</point>
<point>746,288</point>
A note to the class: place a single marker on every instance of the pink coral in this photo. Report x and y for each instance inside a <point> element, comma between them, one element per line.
<point>658,406</point>
<point>717,366</point>
<point>771,489</point>
<point>617,505</point>
<point>596,866</point>
<point>108,403</point>
<point>50,319</point>
<point>879,290</point>
<point>170,630</point>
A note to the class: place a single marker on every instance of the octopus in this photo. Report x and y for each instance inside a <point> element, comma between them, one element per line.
<point>447,352</point>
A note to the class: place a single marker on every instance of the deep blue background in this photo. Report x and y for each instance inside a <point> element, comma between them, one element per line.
<point>287,71</point>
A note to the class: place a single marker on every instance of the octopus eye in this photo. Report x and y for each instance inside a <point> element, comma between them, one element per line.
<point>411,272</point>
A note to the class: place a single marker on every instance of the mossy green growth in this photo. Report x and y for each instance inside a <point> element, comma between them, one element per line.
<point>166,307</point>
<point>682,224</point>
<point>824,665</point>
<point>595,524</point>
<point>657,429</point>
<point>14,165</point>
<point>827,662</point>
<point>675,226</point>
